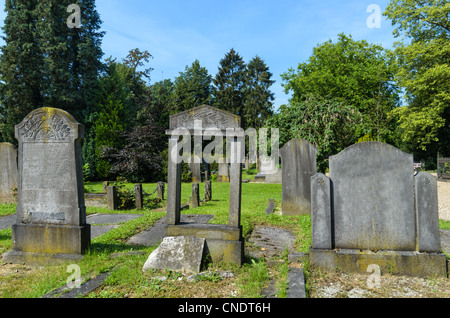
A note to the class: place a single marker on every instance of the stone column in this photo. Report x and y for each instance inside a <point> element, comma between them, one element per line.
<point>427,213</point>
<point>195,195</point>
<point>235,184</point>
<point>173,183</point>
<point>208,191</point>
<point>321,212</point>
<point>160,190</point>
<point>138,196</point>
<point>111,195</point>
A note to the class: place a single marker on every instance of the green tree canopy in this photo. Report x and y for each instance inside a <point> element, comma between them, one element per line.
<point>424,72</point>
<point>356,73</point>
<point>192,88</point>
<point>258,100</point>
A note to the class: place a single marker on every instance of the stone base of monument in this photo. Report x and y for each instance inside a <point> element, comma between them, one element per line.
<point>223,243</point>
<point>390,262</point>
<point>47,244</point>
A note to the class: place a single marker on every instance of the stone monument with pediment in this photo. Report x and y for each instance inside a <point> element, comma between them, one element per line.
<point>51,215</point>
<point>223,242</point>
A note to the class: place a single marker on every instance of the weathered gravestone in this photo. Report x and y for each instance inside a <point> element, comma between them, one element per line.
<point>372,210</point>
<point>8,172</point>
<point>223,242</point>
<point>298,159</point>
<point>223,174</point>
<point>51,215</point>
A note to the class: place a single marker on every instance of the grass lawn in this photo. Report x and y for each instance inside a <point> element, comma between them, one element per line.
<point>126,278</point>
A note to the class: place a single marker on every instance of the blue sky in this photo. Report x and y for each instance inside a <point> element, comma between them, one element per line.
<point>283,32</point>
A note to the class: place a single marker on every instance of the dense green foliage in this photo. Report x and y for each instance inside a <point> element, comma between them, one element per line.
<point>347,91</point>
<point>423,56</point>
<point>46,63</point>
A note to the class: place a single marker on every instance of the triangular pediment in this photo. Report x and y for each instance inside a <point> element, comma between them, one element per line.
<point>210,117</point>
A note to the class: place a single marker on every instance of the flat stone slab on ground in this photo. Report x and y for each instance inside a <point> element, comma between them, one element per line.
<point>271,241</point>
<point>177,253</point>
<point>155,234</point>
<point>296,283</point>
<point>111,218</point>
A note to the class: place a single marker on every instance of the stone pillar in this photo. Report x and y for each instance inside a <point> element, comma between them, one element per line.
<point>195,195</point>
<point>321,212</point>
<point>173,184</point>
<point>138,195</point>
<point>208,191</point>
<point>427,213</point>
<point>160,190</point>
<point>111,194</point>
<point>235,185</point>
<point>8,172</point>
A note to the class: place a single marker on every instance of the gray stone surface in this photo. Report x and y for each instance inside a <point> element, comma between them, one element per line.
<point>112,199</point>
<point>8,172</point>
<point>7,221</point>
<point>321,227</point>
<point>296,283</point>
<point>138,196</point>
<point>298,166</point>
<point>380,214</point>
<point>373,191</point>
<point>267,241</point>
<point>428,238</point>
<point>180,253</point>
<point>111,218</point>
<point>195,195</point>
<point>198,122</point>
<point>50,169</point>
<point>223,173</point>
<point>270,207</point>
<point>51,214</point>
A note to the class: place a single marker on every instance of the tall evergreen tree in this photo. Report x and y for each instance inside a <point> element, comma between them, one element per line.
<point>192,88</point>
<point>258,100</point>
<point>21,66</point>
<point>46,63</point>
<point>229,84</point>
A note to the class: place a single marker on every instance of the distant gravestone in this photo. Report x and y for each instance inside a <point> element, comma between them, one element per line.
<point>51,215</point>
<point>298,166</point>
<point>224,172</point>
<point>372,210</point>
<point>8,172</point>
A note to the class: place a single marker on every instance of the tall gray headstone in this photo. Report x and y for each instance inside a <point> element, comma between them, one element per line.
<point>298,166</point>
<point>373,189</point>
<point>8,172</point>
<point>51,215</point>
<point>373,211</point>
